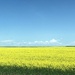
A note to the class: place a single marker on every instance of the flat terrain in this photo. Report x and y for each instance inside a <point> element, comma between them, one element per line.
<point>37,61</point>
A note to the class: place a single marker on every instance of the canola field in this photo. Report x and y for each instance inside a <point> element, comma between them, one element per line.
<point>38,58</point>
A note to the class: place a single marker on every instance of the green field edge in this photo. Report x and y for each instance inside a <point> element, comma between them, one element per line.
<point>18,70</point>
<point>31,46</point>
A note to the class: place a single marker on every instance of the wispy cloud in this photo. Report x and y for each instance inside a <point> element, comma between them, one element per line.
<point>38,42</point>
<point>49,42</point>
<point>52,41</point>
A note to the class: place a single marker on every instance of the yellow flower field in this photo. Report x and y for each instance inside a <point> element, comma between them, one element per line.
<point>56,57</point>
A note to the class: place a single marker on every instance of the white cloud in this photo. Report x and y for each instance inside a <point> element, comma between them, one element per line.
<point>24,42</point>
<point>50,42</point>
<point>35,42</point>
<point>41,42</point>
<point>47,42</point>
<point>53,41</point>
<point>30,43</point>
<point>38,42</point>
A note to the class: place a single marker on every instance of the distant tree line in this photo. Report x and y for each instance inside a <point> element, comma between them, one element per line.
<point>70,46</point>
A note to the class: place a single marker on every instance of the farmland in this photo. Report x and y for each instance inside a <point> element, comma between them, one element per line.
<point>37,61</point>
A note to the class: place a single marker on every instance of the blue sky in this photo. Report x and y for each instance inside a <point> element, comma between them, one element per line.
<point>37,22</point>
